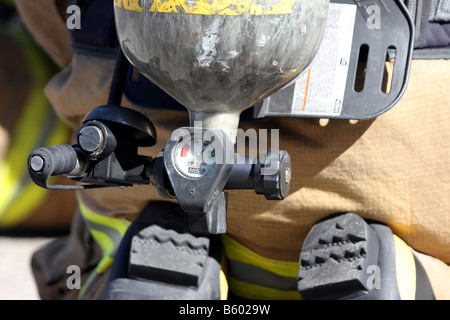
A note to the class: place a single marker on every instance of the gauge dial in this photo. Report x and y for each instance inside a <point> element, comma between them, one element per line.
<point>193,158</point>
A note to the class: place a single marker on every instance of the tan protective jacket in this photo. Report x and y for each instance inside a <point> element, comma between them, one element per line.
<point>394,169</point>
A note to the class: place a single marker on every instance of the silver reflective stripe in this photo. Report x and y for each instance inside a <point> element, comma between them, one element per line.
<point>252,274</point>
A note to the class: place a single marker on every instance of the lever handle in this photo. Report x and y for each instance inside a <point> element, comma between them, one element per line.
<point>55,160</point>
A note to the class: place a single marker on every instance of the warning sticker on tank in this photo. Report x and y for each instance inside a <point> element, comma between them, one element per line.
<point>217,7</point>
<point>223,7</point>
<point>320,90</point>
<point>132,5</point>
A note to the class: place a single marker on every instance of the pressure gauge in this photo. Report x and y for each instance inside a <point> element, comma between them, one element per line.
<point>193,157</point>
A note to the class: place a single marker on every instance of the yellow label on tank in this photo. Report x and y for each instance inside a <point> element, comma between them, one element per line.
<point>214,7</point>
<point>132,5</point>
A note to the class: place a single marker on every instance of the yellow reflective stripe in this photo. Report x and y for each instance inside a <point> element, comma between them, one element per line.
<point>19,196</point>
<point>405,270</point>
<point>107,233</point>
<point>107,246</point>
<point>223,286</point>
<point>234,250</point>
<point>31,196</point>
<point>104,230</point>
<point>246,269</point>
<point>23,141</point>
<point>213,7</point>
<point>255,292</point>
<point>118,224</point>
<point>132,5</point>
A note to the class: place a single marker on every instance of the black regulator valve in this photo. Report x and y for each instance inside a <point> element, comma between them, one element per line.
<point>197,165</point>
<point>106,153</point>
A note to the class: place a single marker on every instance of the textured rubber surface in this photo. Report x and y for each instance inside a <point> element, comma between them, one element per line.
<point>335,258</point>
<point>159,260</point>
<point>165,255</point>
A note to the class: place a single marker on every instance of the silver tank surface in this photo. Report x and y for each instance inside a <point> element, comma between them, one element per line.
<point>219,57</point>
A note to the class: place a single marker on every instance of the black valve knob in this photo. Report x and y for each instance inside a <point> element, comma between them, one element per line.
<point>269,174</point>
<point>272,176</point>
<point>96,139</point>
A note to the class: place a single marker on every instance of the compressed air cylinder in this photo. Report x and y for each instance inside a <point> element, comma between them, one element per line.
<point>219,57</point>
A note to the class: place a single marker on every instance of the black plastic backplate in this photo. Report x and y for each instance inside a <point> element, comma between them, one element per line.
<point>383,30</point>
